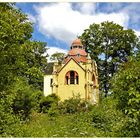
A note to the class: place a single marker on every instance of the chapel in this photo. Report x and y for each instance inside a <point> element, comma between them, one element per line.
<point>76,75</point>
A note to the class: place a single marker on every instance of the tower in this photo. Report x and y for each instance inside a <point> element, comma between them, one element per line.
<point>77,74</point>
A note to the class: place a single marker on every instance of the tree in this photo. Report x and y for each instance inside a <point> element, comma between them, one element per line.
<point>32,62</point>
<point>110,45</point>
<point>15,29</point>
<point>20,56</point>
<point>26,98</point>
<point>126,89</point>
<point>58,56</point>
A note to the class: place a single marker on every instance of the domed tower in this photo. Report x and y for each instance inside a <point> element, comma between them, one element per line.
<point>77,52</point>
<point>77,75</point>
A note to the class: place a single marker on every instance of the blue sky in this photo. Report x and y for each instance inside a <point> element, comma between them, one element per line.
<point>59,24</point>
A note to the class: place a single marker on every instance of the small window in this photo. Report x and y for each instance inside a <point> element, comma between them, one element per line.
<point>51,81</point>
<point>78,55</point>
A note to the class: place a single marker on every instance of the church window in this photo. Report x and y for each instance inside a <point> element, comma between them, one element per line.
<point>72,77</point>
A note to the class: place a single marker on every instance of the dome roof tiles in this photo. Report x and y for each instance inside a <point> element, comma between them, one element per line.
<point>77,51</point>
<point>76,42</point>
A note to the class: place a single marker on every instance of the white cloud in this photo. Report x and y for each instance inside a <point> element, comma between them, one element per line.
<point>61,21</point>
<point>53,50</point>
<point>86,8</point>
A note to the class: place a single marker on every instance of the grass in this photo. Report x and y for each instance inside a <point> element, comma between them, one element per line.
<point>102,121</point>
<point>71,125</point>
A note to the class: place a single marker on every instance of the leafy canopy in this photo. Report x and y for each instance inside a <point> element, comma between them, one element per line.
<point>109,44</point>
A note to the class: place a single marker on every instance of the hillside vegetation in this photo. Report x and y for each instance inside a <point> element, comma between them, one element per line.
<point>96,121</point>
<point>25,112</point>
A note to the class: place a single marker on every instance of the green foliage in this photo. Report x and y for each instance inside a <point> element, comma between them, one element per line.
<point>53,110</point>
<point>25,98</point>
<point>106,119</point>
<point>9,123</point>
<point>47,102</point>
<point>19,57</point>
<point>101,121</point>
<point>73,105</point>
<point>97,122</point>
<point>14,31</point>
<point>32,62</point>
<point>70,105</point>
<point>22,97</point>
<point>109,44</point>
<point>58,56</point>
<point>126,88</point>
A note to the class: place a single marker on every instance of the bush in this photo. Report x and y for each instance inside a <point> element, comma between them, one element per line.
<point>26,98</point>
<point>36,97</point>
<point>53,110</point>
<point>52,105</point>
<point>47,102</point>
<point>16,104</point>
<point>126,89</point>
<point>106,119</point>
<point>9,123</point>
<point>73,105</point>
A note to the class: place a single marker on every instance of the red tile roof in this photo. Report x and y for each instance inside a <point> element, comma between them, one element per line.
<point>76,58</point>
<point>78,54</point>
<point>77,51</point>
<point>76,42</point>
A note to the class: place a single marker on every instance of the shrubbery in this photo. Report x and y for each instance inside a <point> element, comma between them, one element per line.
<point>26,98</point>
<point>126,89</point>
<point>47,102</point>
<point>73,105</point>
<point>16,104</point>
<point>98,121</point>
<point>52,105</point>
<point>9,123</point>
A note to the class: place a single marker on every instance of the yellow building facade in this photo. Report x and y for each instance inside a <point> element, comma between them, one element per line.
<point>76,75</point>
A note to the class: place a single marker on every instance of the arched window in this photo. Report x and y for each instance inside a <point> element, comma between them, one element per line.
<point>94,80</point>
<point>71,77</point>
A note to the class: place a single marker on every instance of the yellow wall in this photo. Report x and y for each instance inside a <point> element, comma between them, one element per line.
<point>67,91</point>
<point>85,88</point>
